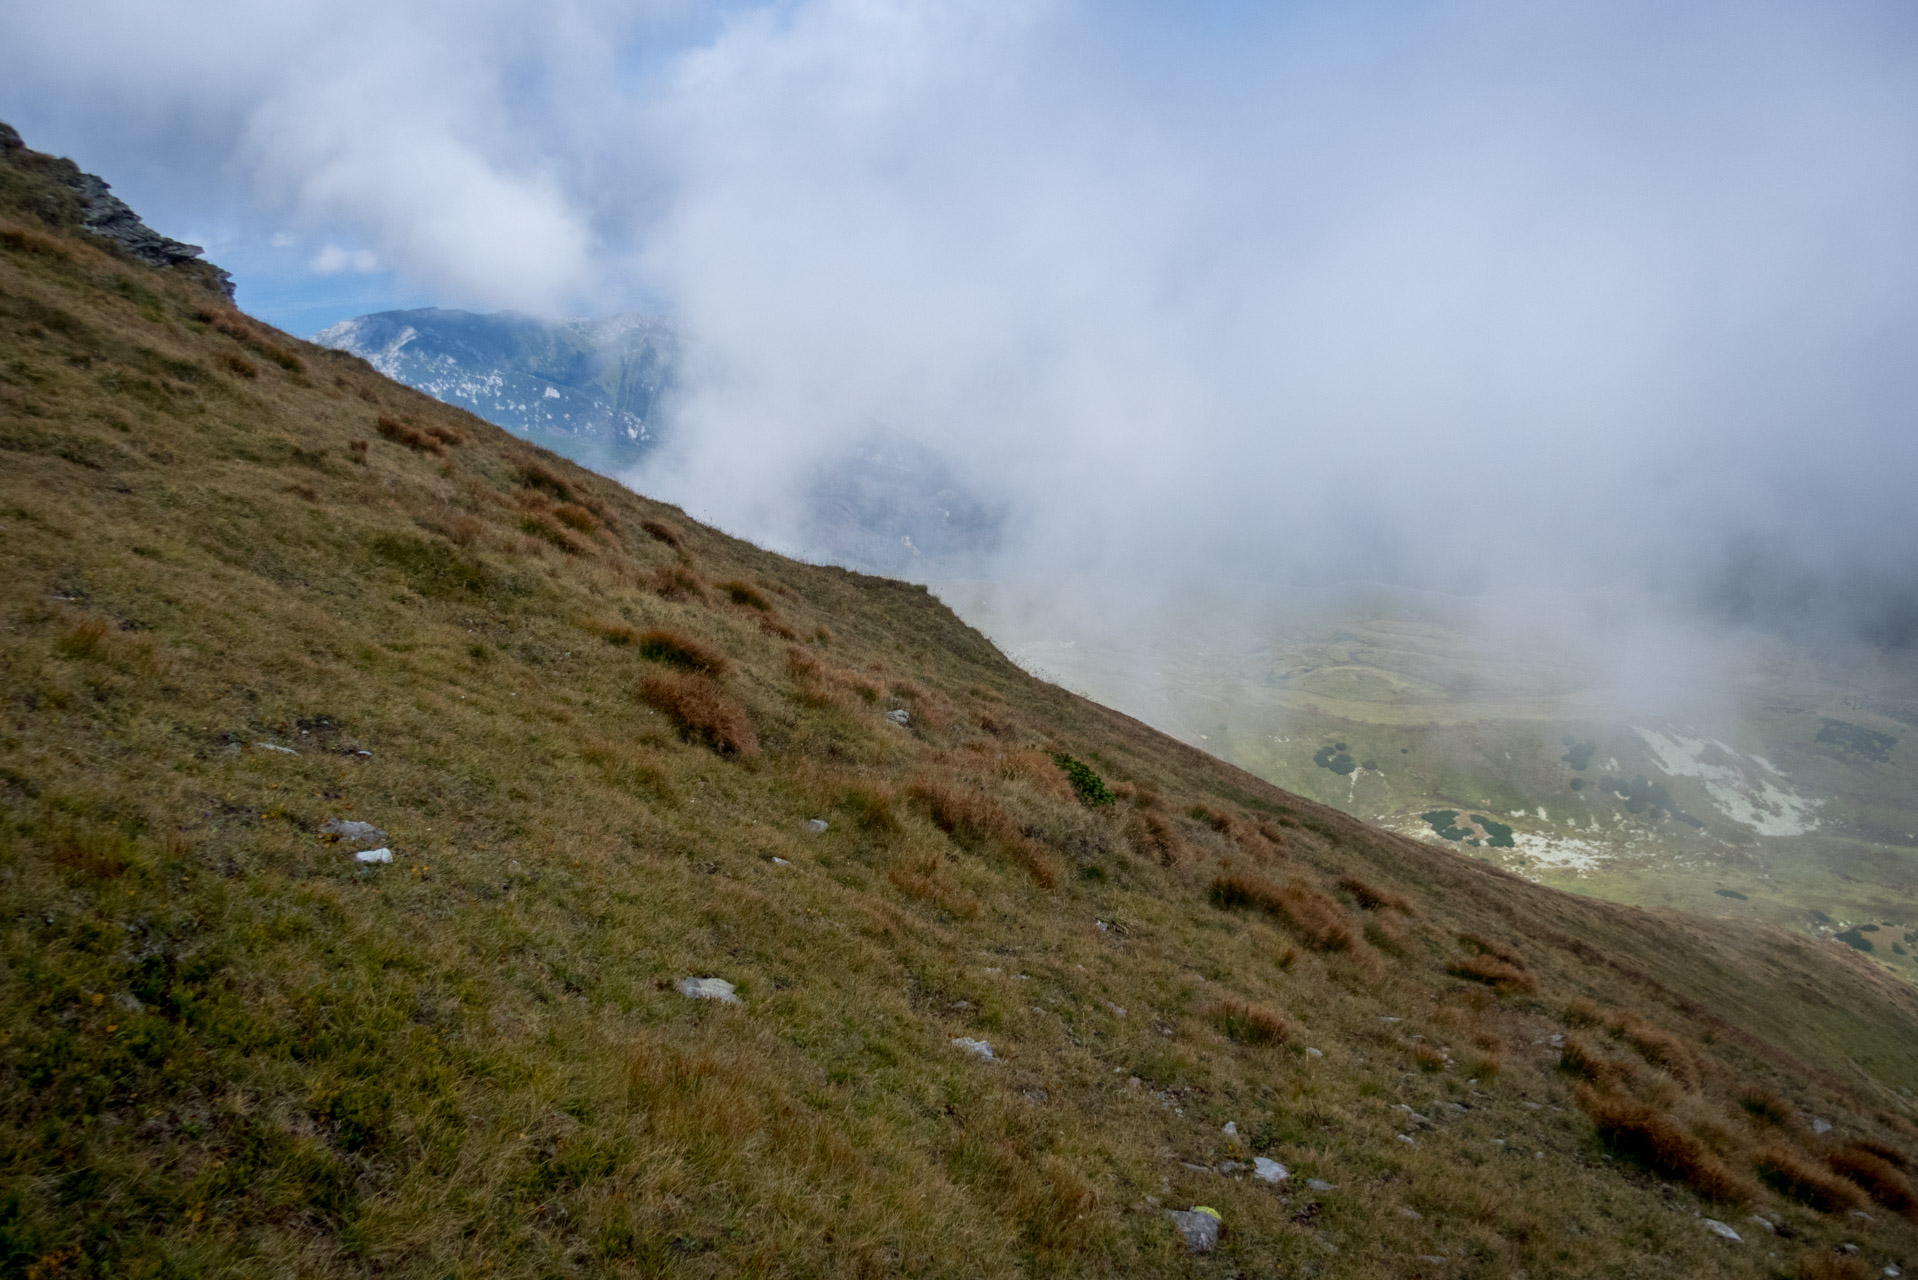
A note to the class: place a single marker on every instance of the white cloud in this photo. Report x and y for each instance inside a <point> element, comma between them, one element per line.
<point>333,260</point>
<point>1445,292</point>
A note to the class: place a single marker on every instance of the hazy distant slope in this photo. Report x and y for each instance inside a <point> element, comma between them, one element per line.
<point>1785,789</point>
<point>250,588</point>
<point>589,389</point>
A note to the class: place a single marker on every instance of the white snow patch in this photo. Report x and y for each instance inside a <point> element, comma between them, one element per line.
<point>1741,792</point>
<point>1561,851</point>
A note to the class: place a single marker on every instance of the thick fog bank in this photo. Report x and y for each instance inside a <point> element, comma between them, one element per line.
<point>1471,297</point>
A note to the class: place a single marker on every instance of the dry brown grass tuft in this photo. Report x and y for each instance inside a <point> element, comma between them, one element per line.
<point>922,880</point>
<point>702,712</point>
<point>967,814</point>
<point>674,583</point>
<point>1579,1059</point>
<point>974,820</point>
<point>745,594</point>
<point>660,531</point>
<point>1785,1170</point>
<point>1648,1136</point>
<point>870,805</point>
<point>536,524</point>
<point>677,649</point>
<point>1501,975</point>
<point>400,433</point>
<point>1831,1266</point>
<point>576,517</point>
<point>88,640</point>
<point>820,684</point>
<point>101,854</point>
<point>242,330</point>
<point>534,474</point>
<point>233,362</point>
<point>1879,1178</point>
<point>26,240</point>
<point>1767,1106</point>
<point>1486,947</point>
<point>1883,1150</point>
<point>1661,1049</point>
<point>1484,1065</point>
<point>1247,1022</point>
<point>1583,1013</point>
<point>1318,920</point>
<point>1792,1175</point>
<point>1371,898</point>
<point>1430,1058</point>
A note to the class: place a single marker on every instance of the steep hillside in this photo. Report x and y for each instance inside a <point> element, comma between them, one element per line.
<point>255,593</point>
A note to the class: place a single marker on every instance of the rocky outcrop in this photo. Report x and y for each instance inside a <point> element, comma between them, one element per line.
<point>106,215</point>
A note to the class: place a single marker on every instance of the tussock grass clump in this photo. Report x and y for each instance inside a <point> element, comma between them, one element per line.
<point>1498,967</point>
<point>1318,920</point>
<point>702,712</point>
<point>671,582</point>
<point>26,240</point>
<point>660,531</point>
<point>1785,1170</point>
<point>400,433</point>
<point>1883,1150</point>
<point>974,820</point>
<point>85,641</point>
<point>1484,1065</point>
<point>536,475</point>
<point>1430,1058</point>
<point>820,684</point>
<point>745,594</point>
<point>1878,1177</point>
<point>921,879</point>
<point>537,525</point>
<point>576,517</point>
<point>1661,1049</point>
<point>243,331</point>
<point>968,815</point>
<point>1498,974</point>
<point>94,852</point>
<point>1768,1106</point>
<point>1648,1136</point>
<point>870,805</point>
<point>1831,1266</point>
<point>677,649</point>
<point>1580,1059</point>
<point>1372,898</point>
<point>1247,1022</point>
<point>1583,1013</point>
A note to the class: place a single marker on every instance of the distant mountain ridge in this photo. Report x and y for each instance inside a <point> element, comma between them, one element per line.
<point>589,389</point>
<point>593,390</point>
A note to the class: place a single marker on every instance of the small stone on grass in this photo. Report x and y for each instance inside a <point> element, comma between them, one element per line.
<point>1199,1225</point>
<point>709,989</point>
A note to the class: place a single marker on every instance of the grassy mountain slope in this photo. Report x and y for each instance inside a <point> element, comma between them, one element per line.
<point>252,587</point>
